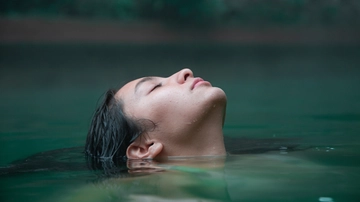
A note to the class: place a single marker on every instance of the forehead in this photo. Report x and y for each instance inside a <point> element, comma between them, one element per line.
<point>127,90</point>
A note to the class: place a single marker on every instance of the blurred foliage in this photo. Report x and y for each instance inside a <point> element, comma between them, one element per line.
<point>108,9</point>
<point>323,12</point>
<point>182,11</point>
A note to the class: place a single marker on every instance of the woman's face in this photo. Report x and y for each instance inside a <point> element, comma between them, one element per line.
<point>177,104</point>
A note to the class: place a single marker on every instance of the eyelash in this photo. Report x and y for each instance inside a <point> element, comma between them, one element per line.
<point>159,85</point>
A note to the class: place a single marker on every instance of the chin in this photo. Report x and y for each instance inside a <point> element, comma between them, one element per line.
<point>219,95</point>
<point>216,97</point>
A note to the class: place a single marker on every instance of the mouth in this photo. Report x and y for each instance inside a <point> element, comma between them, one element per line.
<point>198,81</point>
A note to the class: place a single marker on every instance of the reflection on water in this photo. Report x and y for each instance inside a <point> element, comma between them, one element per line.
<point>294,112</point>
<point>316,173</point>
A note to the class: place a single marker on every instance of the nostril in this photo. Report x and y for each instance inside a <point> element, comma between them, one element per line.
<point>186,76</point>
<point>183,75</point>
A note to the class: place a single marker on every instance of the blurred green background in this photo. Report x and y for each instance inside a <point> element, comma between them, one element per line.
<point>198,12</point>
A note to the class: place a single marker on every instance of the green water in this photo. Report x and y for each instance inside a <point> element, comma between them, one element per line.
<point>307,95</point>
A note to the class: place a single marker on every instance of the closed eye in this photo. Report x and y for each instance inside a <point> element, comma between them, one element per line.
<point>157,86</point>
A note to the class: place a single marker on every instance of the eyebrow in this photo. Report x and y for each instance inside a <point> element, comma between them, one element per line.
<point>143,80</point>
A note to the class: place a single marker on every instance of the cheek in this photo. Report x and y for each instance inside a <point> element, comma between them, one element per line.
<point>163,106</point>
<point>164,103</point>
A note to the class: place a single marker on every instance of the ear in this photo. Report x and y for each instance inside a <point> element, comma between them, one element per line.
<point>144,150</point>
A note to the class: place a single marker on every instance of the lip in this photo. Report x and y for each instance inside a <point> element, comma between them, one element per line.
<point>197,81</point>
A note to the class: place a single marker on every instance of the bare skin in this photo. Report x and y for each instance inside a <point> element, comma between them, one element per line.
<point>188,112</point>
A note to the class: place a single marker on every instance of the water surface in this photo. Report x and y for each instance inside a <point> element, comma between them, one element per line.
<point>278,97</point>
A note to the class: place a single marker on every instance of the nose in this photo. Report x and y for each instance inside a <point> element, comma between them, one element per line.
<point>182,75</point>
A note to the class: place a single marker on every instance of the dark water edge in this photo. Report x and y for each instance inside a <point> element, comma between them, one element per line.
<point>100,66</point>
<point>253,61</point>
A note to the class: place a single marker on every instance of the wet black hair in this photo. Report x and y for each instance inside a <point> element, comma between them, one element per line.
<point>111,131</point>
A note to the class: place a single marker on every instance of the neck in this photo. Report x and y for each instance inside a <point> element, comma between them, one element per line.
<point>210,140</point>
<point>204,138</point>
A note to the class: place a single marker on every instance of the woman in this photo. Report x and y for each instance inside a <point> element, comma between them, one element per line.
<point>156,117</point>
